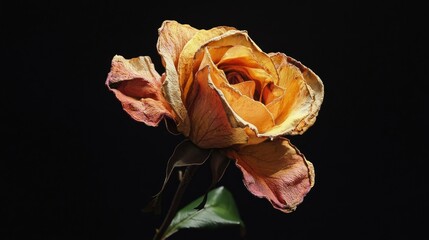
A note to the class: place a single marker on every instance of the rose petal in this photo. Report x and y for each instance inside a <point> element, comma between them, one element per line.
<point>210,125</point>
<point>257,75</point>
<point>317,90</point>
<point>294,105</point>
<point>271,92</point>
<point>246,88</point>
<point>185,64</point>
<point>235,60</point>
<point>246,111</point>
<point>172,38</point>
<point>296,111</point>
<point>277,171</point>
<point>242,62</point>
<point>232,38</point>
<point>249,111</point>
<point>216,54</point>
<point>239,55</point>
<point>137,86</point>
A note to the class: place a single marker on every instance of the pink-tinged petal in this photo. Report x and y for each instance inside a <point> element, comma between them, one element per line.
<point>137,86</point>
<point>277,171</point>
<point>210,125</point>
<point>173,36</point>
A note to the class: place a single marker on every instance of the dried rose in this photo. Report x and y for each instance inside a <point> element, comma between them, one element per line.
<point>223,92</point>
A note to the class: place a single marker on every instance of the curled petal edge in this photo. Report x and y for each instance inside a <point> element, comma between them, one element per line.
<point>277,171</point>
<point>137,85</point>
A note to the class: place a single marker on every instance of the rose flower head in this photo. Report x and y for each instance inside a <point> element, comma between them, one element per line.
<point>223,92</point>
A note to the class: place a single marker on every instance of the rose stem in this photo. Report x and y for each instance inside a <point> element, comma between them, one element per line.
<point>187,176</point>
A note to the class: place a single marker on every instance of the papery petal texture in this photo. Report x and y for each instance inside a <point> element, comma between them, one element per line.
<point>173,36</point>
<point>176,45</point>
<point>277,171</point>
<point>224,93</point>
<point>137,86</point>
<point>297,110</point>
<point>211,127</point>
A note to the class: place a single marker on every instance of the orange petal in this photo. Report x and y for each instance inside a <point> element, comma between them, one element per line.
<point>239,55</point>
<point>250,111</point>
<point>173,36</point>
<point>271,92</point>
<point>216,53</point>
<point>246,110</point>
<point>210,125</point>
<point>295,103</point>
<point>258,75</point>
<point>233,38</point>
<point>277,171</point>
<point>137,86</point>
<point>317,92</point>
<point>246,88</point>
<point>185,63</point>
<point>242,62</point>
<point>296,111</point>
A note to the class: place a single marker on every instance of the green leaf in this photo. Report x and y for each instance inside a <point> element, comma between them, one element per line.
<point>220,210</point>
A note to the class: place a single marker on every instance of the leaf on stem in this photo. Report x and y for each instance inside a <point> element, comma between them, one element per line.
<point>220,210</point>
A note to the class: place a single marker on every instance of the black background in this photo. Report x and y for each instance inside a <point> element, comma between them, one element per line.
<point>74,165</point>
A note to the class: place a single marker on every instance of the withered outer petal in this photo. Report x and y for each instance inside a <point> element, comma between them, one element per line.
<point>210,124</point>
<point>137,85</point>
<point>173,36</point>
<point>275,170</point>
<point>177,44</point>
<point>315,83</point>
<point>302,113</point>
